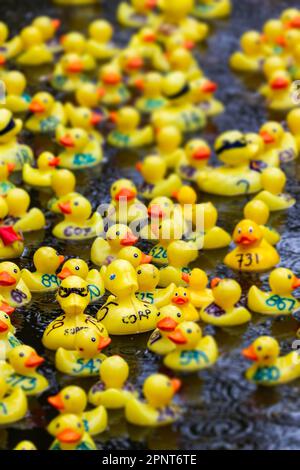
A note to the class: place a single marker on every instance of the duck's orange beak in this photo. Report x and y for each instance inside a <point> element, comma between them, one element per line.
<point>294,23</point>
<point>61,259</point>
<point>146,259</point>
<point>3,326</point>
<point>246,239</point>
<point>112,78</point>
<point>113,116</point>
<point>279,83</point>
<point>75,67</point>
<point>167,324</point>
<point>139,84</point>
<point>11,166</point>
<point>2,60</point>
<point>65,207</point>
<point>180,300</point>
<point>185,277</point>
<point>281,41</point>
<point>103,343</point>
<point>100,92</point>
<point>64,273</point>
<point>36,107</point>
<point>156,211</point>
<point>129,240</point>
<point>34,360</point>
<point>176,384</point>
<point>267,138</point>
<point>68,436</point>
<point>56,401</point>
<point>6,308</point>
<point>214,282</point>
<point>296,282</point>
<point>177,337</point>
<point>149,37</point>
<point>139,166</point>
<point>96,118</point>
<point>126,193</point>
<point>202,153</point>
<point>150,4</point>
<point>55,161</point>
<point>56,23</point>
<point>135,63</point>
<point>6,279</point>
<point>209,86</point>
<point>67,141</point>
<point>188,44</point>
<point>249,353</point>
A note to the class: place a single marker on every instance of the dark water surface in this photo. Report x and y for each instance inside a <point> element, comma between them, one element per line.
<point>222,410</point>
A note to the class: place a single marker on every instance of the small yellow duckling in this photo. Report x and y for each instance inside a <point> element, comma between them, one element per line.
<point>87,96</point>
<point>63,183</point>
<point>168,318</point>
<point>70,72</point>
<point>182,60</point>
<point>99,44</point>
<point>73,400</point>
<point>22,219</point>
<point>294,126</point>
<point>34,50</point>
<point>123,313</point>
<point>196,155</point>
<point>148,280</point>
<point>47,114</point>
<point>25,445</point>
<point>127,134</point>
<point>181,299</point>
<point>252,56</point>
<point>145,44</point>
<point>86,359</point>
<point>168,140</point>
<point>104,251</point>
<point>157,410</point>
<point>259,212</point>
<point>16,100</point>
<point>203,91</point>
<point>136,14</point>
<point>273,182</point>
<point>42,175</point>
<point>130,63</point>
<point>134,255</point>
<point>10,48</point>
<point>270,369</point>
<point>81,149</point>
<point>278,141</point>
<point>211,9</point>
<point>225,308</point>
<point>111,89</point>
<point>279,301</point>
<point>47,26</point>
<point>113,390</point>
<point>197,281</point>
<point>253,252</point>
<point>151,99</point>
<point>24,361</point>
<point>12,287</point>
<point>84,118</point>
<point>75,43</point>
<point>5,170</point>
<point>10,149</point>
<point>69,429</point>
<point>8,340</point>
<point>125,207</point>
<point>13,403</point>
<point>179,255</point>
<point>73,297</point>
<point>156,183</point>
<point>78,267</point>
<point>46,261</point>
<point>193,352</point>
<point>279,96</point>
<point>168,232</point>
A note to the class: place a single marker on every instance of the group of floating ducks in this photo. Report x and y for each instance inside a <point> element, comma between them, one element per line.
<point>160,292</point>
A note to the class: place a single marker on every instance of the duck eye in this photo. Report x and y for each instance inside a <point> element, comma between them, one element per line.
<point>57,426</point>
<point>158,314</point>
<point>259,348</point>
<point>76,203</point>
<point>176,295</point>
<point>184,294</point>
<point>250,229</point>
<point>135,255</point>
<point>6,316</point>
<point>139,272</point>
<point>93,340</point>
<point>81,349</point>
<point>67,397</point>
<point>21,354</point>
<point>239,230</point>
<point>189,330</point>
<point>79,425</point>
<point>289,276</point>
<point>112,277</point>
<point>118,233</point>
<point>178,315</point>
<point>77,268</point>
<point>15,271</point>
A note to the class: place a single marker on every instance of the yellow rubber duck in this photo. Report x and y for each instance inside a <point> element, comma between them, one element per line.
<point>294,126</point>
<point>87,96</point>
<point>113,390</point>
<point>168,232</point>
<point>71,72</point>
<point>203,97</point>
<point>259,212</point>
<point>273,36</point>
<point>262,157</point>
<point>278,141</point>
<point>145,43</point>
<point>47,26</point>
<point>5,170</point>
<point>99,44</point>
<point>24,361</point>
<point>270,369</point>
<point>78,267</point>
<point>272,65</point>
<point>253,252</point>
<point>211,9</point>
<point>12,288</point>
<point>63,183</point>
<point>131,64</point>
<point>151,98</point>
<point>22,219</point>
<point>123,313</point>
<point>252,55</point>
<point>81,149</point>
<point>179,254</point>
<point>235,177</point>
<point>42,175</point>
<point>125,207</point>
<point>16,100</point>
<point>168,140</point>
<point>69,429</point>
<point>225,308</point>
<point>76,43</point>
<point>153,170</point>
<point>127,134</point>
<point>181,299</point>
<point>10,48</point>
<point>25,445</point>
<point>182,60</point>
<point>273,182</point>
<point>46,261</point>
<point>73,297</point>
<point>78,223</point>
<point>136,13</point>
<point>168,318</point>
<point>8,340</point>
<point>47,114</point>
<point>11,150</point>
<point>278,92</point>
<point>134,255</point>
<point>84,118</point>
<point>118,236</point>
<point>13,403</point>
<point>157,409</point>
<point>148,280</point>
<point>111,90</point>
<point>86,359</point>
<point>197,281</point>
<point>193,351</point>
<point>278,301</point>
<point>195,159</point>
<point>34,50</point>
<point>290,17</point>
<point>73,400</point>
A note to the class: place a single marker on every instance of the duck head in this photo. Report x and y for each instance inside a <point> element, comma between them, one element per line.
<point>271,132</point>
<point>147,277</point>
<point>31,36</point>
<point>123,190</point>
<point>78,208</point>
<point>89,344</point>
<point>25,445</point>
<point>74,43</point>
<point>24,359</point>
<point>181,253</point>
<point>232,148</point>
<point>47,26</point>
<point>159,390</point>
<point>160,207</point>
<point>168,139</point>
<point>175,87</point>
<point>47,161</point>
<point>47,260</point>
<point>5,307</point>
<point>280,81</point>
<point>283,281</point>
<point>169,231</point>
<point>153,169</point>
<point>197,279</point>
<point>114,372</point>
<point>169,318</point>
<point>258,211</point>
<point>110,75</point>
<point>252,43</point>
<point>131,61</point>
<point>150,85</point>
<point>120,236</point>
<point>181,297</point>
<point>273,180</point>
<point>226,292</point>
<point>101,31</point>
<point>247,233</point>
<point>10,275</point>
<point>143,6</point>
<point>18,202</point>
<point>63,182</point>
<point>68,429</point>
<point>71,399</point>
<point>74,267</point>
<point>73,295</point>
<point>72,64</point>
<point>180,59</point>
<point>9,127</point>
<point>272,31</point>
<point>176,10</point>
<point>134,255</point>
<point>264,351</point>
<point>120,278</point>
<point>197,153</point>
<point>186,335</point>
<point>127,119</point>
<point>293,121</point>
<point>290,18</point>
<point>42,103</point>
<point>185,195</point>
<point>73,140</point>
<point>87,95</point>
<point>15,82</point>
<point>5,325</point>
<point>82,117</point>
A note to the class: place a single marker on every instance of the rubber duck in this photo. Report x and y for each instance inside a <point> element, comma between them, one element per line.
<point>123,313</point>
<point>273,36</point>
<point>10,48</point>
<point>47,26</point>
<point>34,51</point>
<point>13,403</point>
<point>47,114</point>
<point>259,212</point>
<point>71,72</point>
<point>153,170</point>
<point>198,292</point>
<point>278,301</point>
<point>111,90</point>
<point>75,43</point>
<point>134,255</point>
<point>182,60</point>
<point>87,96</point>
<point>202,95</point>
<point>16,100</point>
<point>195,158</point>
<point>278,141</point>
<point>73,297</point>
<point>225,308</point>
<point>63,183</point>
<point>168,318</point>
<point>46,261</point>
<point>148,280</point>
<point>290,17</point>
<point>8,340</point>
<point>78,267</point>
<point>177,40</point>
<point>106,250</point>
<point>278,92</point>
<point>68,429</point>
<point>25,445</point>
<point>193,351</point>
<point>22,219</point>
<point>168,232</point>
<point>252,54</point>
<point>127,134</point>
<point>86,359</point>
<point>125,207</point>
<point>179,254</point>
<point>235,177</point>
<point>294,126</point>
<point>273,182</point>
<point>5,170</point>
<point>181,299</point>
<point>24,361</point>
<point>99,44</point>
<point>168,141</point>
<point>253,252</point>
<point>113,390</point>
<point>130,63</point>
<point>81,149</point>
<point>136,14</point>
<point>268,368</point>
<point>11,150</point>
<point>84,118</point>
<point>73,400</point>
<point>12,288</point>
<point>151,98</point>
<point>42,175</point>
<point>211,9</point>
<point>179,110</point>
<point>157,409</point>
<point>145,43</point>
